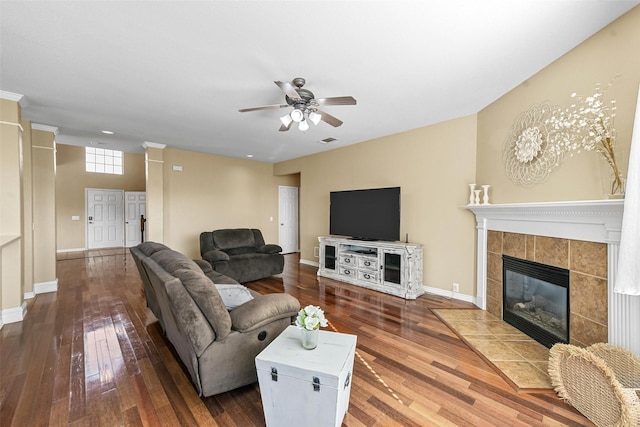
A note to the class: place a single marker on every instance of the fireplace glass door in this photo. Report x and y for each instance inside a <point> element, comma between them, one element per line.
<point>536,299</point>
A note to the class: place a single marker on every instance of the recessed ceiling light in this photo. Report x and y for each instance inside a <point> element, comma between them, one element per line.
<point>250,155</point>
<point>108,132</point>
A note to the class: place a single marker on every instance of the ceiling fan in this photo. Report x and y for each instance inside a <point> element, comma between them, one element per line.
<point>305,106</point>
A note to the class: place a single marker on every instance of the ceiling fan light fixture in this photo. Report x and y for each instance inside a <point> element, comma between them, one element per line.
<point>315,117</point>
<point>286,120</point>
<point>297,115</point>
<point>304,125</point>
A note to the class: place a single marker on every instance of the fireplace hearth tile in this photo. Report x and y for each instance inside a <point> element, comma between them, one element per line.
<point>499,327</point>
<point>495,350</point>
<point>521,360</point>
<point>532,351</point>
<point>525,374</point>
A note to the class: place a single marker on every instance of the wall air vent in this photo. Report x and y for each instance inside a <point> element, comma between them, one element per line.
<point>327,140</point>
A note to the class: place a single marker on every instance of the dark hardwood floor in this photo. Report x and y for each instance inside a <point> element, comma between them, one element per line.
<point>92,354</point>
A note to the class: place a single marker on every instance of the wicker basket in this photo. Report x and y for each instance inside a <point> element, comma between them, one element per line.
<point>587,380</point>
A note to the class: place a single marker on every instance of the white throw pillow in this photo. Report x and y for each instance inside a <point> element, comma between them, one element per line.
<point>233,295</point>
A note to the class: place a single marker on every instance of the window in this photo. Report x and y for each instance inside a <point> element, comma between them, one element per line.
<point>102,160</point>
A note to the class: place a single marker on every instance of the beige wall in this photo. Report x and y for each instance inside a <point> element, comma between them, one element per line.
<point>213,192</point>
<point>71,181</point>
<point>611,52</point>
<point>432,165</point>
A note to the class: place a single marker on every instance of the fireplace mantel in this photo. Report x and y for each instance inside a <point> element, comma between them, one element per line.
<point>590,220</point>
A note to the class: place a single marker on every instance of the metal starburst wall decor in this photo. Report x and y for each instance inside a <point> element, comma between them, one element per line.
<point>530,152</point>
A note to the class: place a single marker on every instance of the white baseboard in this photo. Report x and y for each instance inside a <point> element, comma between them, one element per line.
<point>61,251</point>
<point>311,263</point>
<point>450,294</point>
<point>29,295</point>
<point>44,287</point>
<point>13,314</point>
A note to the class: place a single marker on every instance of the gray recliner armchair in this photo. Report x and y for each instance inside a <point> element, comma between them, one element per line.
<point>241,253</point>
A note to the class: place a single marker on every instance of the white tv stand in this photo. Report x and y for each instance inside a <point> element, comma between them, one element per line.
<point>391,267</point>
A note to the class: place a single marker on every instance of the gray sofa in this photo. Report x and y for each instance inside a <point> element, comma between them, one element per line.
<point>216,343</point>
<point>241,253</point>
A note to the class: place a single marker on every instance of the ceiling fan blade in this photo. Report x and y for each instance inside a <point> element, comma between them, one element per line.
<point>264,107</point>
<point>289,90</point>
<point>328,118</point>
<point>284,128</point>
<point>337,100</point>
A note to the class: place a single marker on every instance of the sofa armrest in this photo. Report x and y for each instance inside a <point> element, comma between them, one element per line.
<point>262,310</point>
<point>215,256</point>
<point>269,249</point>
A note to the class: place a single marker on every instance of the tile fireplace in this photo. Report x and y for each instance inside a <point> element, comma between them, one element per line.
<point>535,299</point>
<point>582,237</point>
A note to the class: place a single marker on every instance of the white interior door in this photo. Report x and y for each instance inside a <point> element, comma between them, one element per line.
<point>288,218</point>
<point>105,218</point>
<point>135,205</point>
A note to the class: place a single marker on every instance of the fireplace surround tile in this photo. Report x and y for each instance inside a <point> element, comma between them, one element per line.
<point>585,332</point>
<point>514,245</point>
<point>588,297</point>
<point>589,258</point>
<point>494,267</point>
<point>494,242</point>
<point>588,293</point>
<point>552,251</point>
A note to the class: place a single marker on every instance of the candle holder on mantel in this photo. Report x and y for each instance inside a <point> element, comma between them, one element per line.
<point>485,198</point>
<point>472,197</point>
<point>477,196</point>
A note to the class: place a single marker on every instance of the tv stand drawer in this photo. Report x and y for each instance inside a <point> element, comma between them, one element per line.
<point>368,262</point>
<point>368,276</point>
<point>348,271</point>
<point>349,260</point>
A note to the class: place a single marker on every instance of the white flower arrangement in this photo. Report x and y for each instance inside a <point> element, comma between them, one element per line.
<point>588,125</point>
<point>310,318</point>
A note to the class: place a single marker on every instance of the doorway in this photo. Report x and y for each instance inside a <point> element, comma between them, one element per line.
<point>288,218</point>
<point>134,208</point>
<point>105,218</point>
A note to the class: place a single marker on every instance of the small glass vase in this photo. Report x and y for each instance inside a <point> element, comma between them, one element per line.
<point>612,188</point>
<point>310,338</point>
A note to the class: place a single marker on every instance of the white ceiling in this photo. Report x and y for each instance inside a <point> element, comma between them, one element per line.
<point>176,72</point>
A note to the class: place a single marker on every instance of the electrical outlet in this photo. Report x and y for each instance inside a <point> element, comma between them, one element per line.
<point>456,287</point>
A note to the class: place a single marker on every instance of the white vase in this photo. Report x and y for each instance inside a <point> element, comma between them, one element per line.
<point>485,198</point>
<point>472,197</point>
<point>310,338</point>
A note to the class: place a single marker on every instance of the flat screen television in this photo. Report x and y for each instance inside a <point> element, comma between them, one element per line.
<point>372,214</point>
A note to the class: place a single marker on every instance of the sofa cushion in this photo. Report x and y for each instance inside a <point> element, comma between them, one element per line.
<point>207,298</point>
<point>149,248</point>
<point>243,250</point>
<point>233,238</point>
<point>171,261</point>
